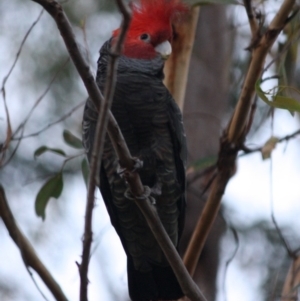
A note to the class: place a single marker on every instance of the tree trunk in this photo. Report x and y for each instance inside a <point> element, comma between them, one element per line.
<point>204,110</point>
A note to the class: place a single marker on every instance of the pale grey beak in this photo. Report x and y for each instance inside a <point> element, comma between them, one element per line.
<point>164,49</point>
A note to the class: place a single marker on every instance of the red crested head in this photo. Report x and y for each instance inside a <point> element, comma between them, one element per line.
<point>150,30</point>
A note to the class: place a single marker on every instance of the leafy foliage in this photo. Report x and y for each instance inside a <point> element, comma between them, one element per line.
<point>52,188</point>
<point>72,140</point>
<point>44,149</point>
<point>278,101</point>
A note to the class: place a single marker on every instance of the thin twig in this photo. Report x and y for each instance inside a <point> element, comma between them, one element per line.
<point>71,158</point>
<point>20,49</point>
<point>281,236</point>
<point>9,128</point>
<point>36,284</point>
<point>230,259</point>
<point>6,143</point>
<point>64,117</point>
<point>283,51</point>
<point>2,165</point>
<point>251,17</point>
<point>29,256</point>
<point>258,149</point>
<point>41,97</point>
<point>21,127</point>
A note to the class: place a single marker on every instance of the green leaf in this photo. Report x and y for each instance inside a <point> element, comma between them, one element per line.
<point>72,140</point>
<point>268,148</point>
<point>208,2</point>
<point>85,171</point>
<point>201,164</point>
<point>279,101</point>
<point>288,103</point>
<point>44,149</point>
<point>52,188</point>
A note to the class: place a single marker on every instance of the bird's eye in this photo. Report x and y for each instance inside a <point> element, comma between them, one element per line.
<point>145,37</point>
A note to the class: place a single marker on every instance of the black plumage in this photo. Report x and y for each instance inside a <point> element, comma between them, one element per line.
<point>152,127</point>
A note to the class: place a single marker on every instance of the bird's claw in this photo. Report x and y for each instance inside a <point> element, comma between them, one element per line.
<point>121,171</point>
<point>137,164</point>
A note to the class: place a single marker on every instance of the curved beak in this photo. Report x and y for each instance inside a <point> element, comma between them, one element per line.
<point>164,49</point>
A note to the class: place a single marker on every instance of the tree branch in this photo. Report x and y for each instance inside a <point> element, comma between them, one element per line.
<point>177,66</point>
<point>251,17</point>
<point>240,117</point>
<point>28,254</point>
<point>234,136</point>
<point>96,156</point>
<point>258,149</point>
<point>226,167</point>
<point>188,286</point>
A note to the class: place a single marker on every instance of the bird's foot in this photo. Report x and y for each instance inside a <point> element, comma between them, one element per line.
<point>156,189</point>
<point>137,164</point>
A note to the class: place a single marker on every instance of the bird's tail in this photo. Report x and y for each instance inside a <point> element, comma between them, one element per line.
<point>158,284</point>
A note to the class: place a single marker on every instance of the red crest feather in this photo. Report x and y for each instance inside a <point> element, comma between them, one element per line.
<point>154,17</point>
<point>145,12</point>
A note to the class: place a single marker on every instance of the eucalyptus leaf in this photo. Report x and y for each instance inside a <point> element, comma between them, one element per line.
<point>201,164</point>
<point>85,171</point>
<point>288,103</point>
<point>44,149</point>
<point>52,188</point>
<point>72,140</point>
<point>279,101</point>
<point>268,148</point>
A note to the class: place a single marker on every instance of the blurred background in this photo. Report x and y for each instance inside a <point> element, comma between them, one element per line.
<point>244,258</point>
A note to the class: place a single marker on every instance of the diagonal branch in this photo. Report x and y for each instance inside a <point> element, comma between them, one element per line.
<point>29,256</point>
<point>239,120</point>
<point>96,156</point>
<point>234,136</point>
<point>251,17</point>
